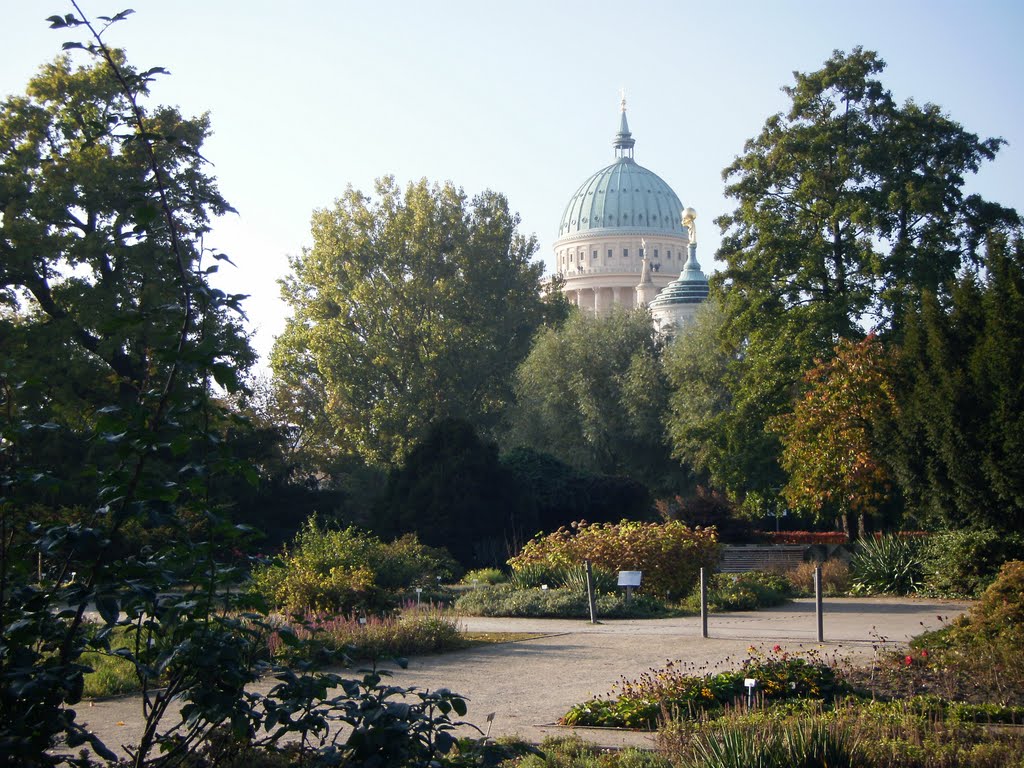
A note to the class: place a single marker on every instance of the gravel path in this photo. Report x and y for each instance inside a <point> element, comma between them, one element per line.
<point>529,684</point>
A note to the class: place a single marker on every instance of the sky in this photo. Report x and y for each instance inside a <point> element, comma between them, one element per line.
<point>309,97</point>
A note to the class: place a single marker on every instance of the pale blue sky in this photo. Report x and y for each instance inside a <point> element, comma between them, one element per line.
<point>518,97</point>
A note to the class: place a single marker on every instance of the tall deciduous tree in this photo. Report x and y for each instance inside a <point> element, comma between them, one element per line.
<point>410,307</point>
<point>592,393</point>
<point>84,229</point>
<point>849,205</point>
<point>711,423</point>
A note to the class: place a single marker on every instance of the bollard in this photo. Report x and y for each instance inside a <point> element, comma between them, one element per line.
<point>590,592</point>
<point>817,602</point>
<point>703,604</point>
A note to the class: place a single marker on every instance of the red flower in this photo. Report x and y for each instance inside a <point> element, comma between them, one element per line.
<point>908,660</point>
<point>777,648</point>
<point>924,654</point>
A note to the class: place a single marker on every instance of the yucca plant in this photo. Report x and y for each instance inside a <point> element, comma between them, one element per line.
<point>888,564</point>
<point>739,746</point>
<point>816,743</point>
<point>531,576</point>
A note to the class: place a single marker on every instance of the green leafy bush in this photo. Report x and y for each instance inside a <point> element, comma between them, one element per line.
<point>507,600</point>
<point>485,576</point>
<point>741,592</point>
<point>669,554</point>
<point>888,565</point>
<point>347,570</point>
<point>963,563</point>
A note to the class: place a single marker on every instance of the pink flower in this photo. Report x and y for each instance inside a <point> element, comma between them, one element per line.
<point>924,654</point>
<point>777,648</point>
<point>908,660</point>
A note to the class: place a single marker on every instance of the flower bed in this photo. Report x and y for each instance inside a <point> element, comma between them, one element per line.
<point>682,692</point>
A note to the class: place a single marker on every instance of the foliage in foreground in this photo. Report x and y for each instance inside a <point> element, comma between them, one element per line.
<point>669,554</point>
<point>866,735</point>
<point>574,752</point>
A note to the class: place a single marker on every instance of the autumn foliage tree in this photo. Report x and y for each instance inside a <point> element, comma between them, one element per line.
<point>830,443</point>
<point>669,554</point>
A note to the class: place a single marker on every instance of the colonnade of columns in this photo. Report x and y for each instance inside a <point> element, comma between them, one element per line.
<point>601,300</point>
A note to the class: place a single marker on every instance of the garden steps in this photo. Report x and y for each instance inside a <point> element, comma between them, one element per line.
<point>756,557</point>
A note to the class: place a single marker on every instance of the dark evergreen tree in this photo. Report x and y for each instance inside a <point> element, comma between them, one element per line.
<point>960,432</point>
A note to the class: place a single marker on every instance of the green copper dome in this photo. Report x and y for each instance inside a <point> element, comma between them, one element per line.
<point>624,195</point>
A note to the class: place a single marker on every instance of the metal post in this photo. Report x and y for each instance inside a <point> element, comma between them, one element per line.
<point>703,604</point>
<point>590,592</point>
<point>817,602</point>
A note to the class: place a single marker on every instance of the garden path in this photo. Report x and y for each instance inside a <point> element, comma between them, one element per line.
<point>528,685</point>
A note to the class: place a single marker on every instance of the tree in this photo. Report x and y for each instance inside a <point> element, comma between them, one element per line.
<point>85,230</point>
<point>849,206</point>
<point>712,423</point>
<point>558,495</point>
<point>831,447</point>
<point>960,432</point>
<point>409,308</point>
<point>592,394</point>
<point>114,339</point>
<point>452,492</point>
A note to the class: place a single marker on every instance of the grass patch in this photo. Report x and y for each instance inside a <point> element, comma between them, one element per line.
<point>496,638</point>
<point>110,676</point>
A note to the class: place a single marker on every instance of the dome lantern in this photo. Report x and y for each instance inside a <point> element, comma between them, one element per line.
<point>624,141</point>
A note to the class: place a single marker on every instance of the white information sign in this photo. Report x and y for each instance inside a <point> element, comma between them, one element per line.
<point>630,578</point>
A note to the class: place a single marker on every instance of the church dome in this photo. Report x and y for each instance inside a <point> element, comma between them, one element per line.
<point>623,196</point>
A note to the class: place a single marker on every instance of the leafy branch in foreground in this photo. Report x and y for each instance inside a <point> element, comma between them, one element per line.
<point>115,452</point>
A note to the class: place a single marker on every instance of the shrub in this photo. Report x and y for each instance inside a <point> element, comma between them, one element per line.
<point>742,592</point>
<point>670,554</point>
<point>708,508</point>
<point>506,600</point>
<point>999,613</point>
<point>963,563</point>
<point>348,570</point>
<point>890,564</point>
<point>415,632</point>
<point>835,578</point>
<point>485,576</point>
